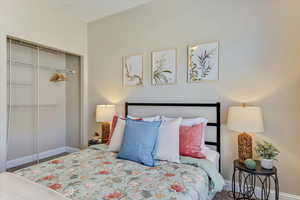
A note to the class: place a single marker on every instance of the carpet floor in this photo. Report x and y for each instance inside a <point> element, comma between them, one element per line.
<point>224,195</point>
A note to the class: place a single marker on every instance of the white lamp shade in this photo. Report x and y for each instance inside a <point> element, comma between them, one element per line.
<point>246,119</point>
<point>105,113</point>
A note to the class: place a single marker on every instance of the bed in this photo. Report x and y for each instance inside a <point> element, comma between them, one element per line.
<point>95,173</point>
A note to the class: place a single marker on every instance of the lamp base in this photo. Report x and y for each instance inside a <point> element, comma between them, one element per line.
<point>244,147</point>
<point>105,132</point>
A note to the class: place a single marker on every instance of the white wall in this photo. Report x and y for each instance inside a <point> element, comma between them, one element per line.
<point>30,20</point>
<point>259,64</point>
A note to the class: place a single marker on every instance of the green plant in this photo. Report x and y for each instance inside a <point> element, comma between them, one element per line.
<point>159,74</point>
<point>201,69</point>
<point>266,150</point>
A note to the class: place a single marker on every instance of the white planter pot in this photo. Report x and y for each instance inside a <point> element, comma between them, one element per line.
<point>267,163</point>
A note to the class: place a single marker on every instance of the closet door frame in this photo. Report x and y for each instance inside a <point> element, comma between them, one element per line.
<point>4,103</point>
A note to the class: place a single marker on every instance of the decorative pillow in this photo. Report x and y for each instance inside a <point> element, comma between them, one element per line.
<point>190,141</point>
<point>192,122</point>
<point>147,119</point>
<point>139,141</point>
<point>115,121</point>
<point>168,141</point>
<point>113,126</point>
<point>117,135</point>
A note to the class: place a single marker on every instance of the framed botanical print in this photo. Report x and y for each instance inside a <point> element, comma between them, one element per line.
<point>133,70</point>
<point>203,62</point>
<point>164,67</point>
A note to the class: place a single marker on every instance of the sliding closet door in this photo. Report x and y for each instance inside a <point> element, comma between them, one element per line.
<point>73,102</point>
<point>44,115</point>
<point>22,103</point>
<point>52,101</point>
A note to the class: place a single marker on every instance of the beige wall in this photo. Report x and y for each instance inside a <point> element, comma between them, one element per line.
<point>259,64</point>
<point>31,20</point>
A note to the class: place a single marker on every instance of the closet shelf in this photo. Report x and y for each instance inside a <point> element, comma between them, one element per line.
<point>13,83</point>
<point>24,64</point>
<point>30,65</point>
<point>33,105</point>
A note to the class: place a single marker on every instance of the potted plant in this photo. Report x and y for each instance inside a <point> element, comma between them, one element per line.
<point>268,153</point>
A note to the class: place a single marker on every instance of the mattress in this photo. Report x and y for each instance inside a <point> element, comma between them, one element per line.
<point>96,173</point>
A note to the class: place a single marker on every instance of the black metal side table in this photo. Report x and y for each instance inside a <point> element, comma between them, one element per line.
<point>246,180</point>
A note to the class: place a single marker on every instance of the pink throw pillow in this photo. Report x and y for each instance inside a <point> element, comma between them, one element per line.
<point>190,141</point>
<point>113,126</point>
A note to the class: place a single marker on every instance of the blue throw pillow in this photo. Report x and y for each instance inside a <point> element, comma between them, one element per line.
<point>139,142</point>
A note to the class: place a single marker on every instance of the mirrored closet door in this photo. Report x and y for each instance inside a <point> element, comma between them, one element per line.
<point>43,103</point>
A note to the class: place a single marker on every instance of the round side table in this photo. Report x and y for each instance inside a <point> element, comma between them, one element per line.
<point>245,180</point>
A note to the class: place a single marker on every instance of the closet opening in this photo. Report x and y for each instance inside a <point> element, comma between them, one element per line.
<point>44,103</point>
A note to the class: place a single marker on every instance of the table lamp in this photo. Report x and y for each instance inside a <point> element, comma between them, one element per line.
<point>245,119</point>
<point>104,115</point>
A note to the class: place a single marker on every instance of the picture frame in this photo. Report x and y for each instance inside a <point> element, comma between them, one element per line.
<point>203,62</point>
<point>133,70</point>
<point>164,67</point>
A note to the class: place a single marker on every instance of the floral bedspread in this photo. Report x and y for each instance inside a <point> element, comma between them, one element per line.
<point>95,174</point>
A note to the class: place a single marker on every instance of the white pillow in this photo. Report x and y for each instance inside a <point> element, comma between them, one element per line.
<point>117,137</point>
<point>192,122</point>
<point>147,119</point>
<point>168,141</point>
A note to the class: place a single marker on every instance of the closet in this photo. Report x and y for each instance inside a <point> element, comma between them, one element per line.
<point>43,103</point>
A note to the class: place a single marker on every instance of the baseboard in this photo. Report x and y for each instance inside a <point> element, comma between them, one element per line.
<point>282,195</point>
<point>71,149</point>
<point>42,155</point>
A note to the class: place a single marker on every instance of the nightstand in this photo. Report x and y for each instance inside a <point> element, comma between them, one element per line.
<point>96,141</point>
<point>245,180</point>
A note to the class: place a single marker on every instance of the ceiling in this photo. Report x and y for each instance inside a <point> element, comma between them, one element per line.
<point>90,10</point>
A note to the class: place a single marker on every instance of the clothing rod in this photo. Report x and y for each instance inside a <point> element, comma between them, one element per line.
<point>66,71</point>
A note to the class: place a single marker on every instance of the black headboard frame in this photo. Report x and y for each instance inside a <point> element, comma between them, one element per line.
<point>216,124</point>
